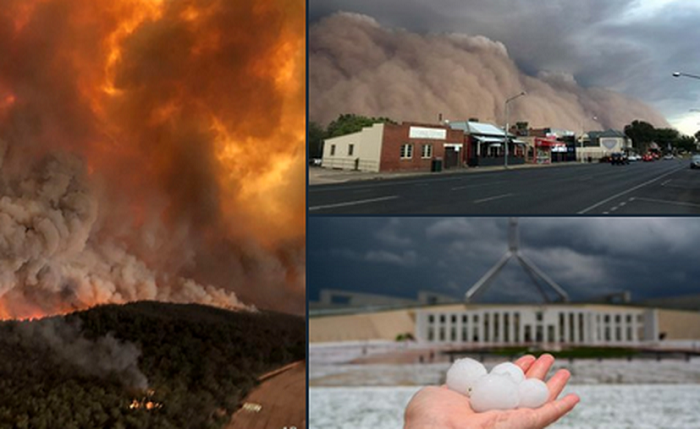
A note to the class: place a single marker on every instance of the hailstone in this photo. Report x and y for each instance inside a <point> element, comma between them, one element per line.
<point>533,393</point>
<point>510,369</point>
<point>494,392</point>
<point>463,374</point>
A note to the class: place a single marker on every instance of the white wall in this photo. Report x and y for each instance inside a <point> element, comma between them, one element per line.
<point>367,148</point>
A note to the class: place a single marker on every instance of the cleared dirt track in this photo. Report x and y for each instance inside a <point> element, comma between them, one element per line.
<point>282,397</point>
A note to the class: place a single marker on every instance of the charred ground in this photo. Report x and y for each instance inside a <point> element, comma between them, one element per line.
<point>87,369</point>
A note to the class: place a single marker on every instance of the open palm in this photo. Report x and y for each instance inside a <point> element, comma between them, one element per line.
<point>440,407</point>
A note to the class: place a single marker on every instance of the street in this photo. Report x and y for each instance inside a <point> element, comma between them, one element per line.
<point>278,402</point>
<point>656,188</point>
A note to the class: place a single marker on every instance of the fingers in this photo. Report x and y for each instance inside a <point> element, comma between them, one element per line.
<point>557,383</point>
<point>525,362</point>
<point>540,367</point>
<point>553,411</point>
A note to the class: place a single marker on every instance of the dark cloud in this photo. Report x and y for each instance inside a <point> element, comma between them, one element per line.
<point>629,46</point>
<point>588,257</point>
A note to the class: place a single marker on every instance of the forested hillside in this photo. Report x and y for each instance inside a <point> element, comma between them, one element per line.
<point>139,365</point>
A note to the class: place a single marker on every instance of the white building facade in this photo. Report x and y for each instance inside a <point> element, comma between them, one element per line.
<point>357,151</point>
<point>550,324</point>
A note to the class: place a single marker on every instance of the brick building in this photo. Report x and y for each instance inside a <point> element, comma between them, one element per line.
<point>395,147</point>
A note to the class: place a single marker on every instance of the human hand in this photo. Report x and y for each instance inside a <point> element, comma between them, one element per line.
<point>442,408</point>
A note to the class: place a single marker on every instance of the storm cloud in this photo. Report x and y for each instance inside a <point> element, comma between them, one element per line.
<point>629,46</point>
<point>588,257</point>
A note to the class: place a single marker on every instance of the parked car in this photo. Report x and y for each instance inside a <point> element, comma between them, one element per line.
<point>695,161</point>
<point>648,157</point>
<point>618,159</point>
<point>668,157</point>
<point>634,157</point>
<point>316,162</point>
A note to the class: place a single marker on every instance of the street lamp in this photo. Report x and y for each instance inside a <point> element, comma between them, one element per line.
<point>505,133</point>
<point>583,131</point>
<point>679,74</point>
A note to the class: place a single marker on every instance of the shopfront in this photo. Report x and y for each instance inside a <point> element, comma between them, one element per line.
<point>548,150</point>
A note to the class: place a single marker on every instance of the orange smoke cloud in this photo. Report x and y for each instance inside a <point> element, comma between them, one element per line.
<point>187,119</point>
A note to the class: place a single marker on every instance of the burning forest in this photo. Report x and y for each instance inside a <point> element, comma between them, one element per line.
<point>151,150</point>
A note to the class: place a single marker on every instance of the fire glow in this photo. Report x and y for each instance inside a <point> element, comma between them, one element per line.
<point>151,149</point>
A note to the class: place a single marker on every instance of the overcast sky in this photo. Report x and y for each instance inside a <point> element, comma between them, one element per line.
<point>588,257</point>
<point>630,46</point>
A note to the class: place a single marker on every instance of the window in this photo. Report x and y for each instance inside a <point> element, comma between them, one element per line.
<point>332,150</point>
<point>351,149</point>
<point>406,151</point>
<point>431,319</point>
<point>427,151</point>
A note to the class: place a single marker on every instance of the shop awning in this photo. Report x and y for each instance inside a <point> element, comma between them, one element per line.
<point>490,140</point>
<point>548,143</point>
<point>516,141</point>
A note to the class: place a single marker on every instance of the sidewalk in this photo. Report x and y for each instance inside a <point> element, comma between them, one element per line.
<point>324,176</point>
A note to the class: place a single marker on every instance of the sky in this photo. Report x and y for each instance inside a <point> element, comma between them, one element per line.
<point>627,46</point>
<point>587,256</point>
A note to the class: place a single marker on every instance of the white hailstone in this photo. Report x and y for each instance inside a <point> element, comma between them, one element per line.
<point>463,374</point>
<point>494,392</point>
<point>533,393</point>
<point>509,369</point>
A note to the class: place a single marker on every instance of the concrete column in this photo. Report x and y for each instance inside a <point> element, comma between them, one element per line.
<point>480,325</point>
<point>421,332</point>
<point>566,327</point>
<point>458,334</point>
<point>448,327</point>
<point>501,327</point>
<point>635,337</point>
<point>493,326</point>
<point>467,325</point>
<point>521,328</point>
<point>651,325</point>
<point>511,327</point>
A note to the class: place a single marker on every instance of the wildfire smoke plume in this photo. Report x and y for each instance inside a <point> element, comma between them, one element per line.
<point>151,149</point>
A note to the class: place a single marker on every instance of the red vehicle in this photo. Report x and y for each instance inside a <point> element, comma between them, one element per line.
<point>648,157</point>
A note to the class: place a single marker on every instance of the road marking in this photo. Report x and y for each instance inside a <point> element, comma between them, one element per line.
<point>378,183</point>
<point>497,197</point>
<point>353,203</point>
<point>618,195</point>
<point>476,186</point>
<point>675,203</point>
<point>666,182</point>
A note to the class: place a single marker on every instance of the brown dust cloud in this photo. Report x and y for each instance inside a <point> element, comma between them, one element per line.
<point>358,66</point>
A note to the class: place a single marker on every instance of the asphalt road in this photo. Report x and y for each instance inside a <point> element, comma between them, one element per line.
<point>282,401</point>
<point>656,188</point>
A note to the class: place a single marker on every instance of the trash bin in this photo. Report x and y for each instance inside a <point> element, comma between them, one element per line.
<point>436,166</point>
